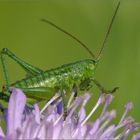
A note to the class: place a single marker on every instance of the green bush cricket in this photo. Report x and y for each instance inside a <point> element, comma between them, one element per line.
<point>69,77</point>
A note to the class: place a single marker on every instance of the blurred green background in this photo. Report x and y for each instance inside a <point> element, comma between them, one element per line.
<point>42,45</point>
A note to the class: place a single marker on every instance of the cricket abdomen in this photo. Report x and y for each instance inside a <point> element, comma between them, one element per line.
<point>65,76</point>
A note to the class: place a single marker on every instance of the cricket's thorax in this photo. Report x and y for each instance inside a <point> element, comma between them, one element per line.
<point>67,75</point>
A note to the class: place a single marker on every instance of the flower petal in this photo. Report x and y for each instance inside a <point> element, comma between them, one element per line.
<point>37,114</point>
<point>15,111</point>
<point>1,133</point>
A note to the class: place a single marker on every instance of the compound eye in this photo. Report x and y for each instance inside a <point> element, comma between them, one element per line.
<point>4,50</point>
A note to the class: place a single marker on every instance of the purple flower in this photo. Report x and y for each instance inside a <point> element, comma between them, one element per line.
<point>52,123</point>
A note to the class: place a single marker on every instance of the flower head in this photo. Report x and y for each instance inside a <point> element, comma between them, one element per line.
<point>52,123</point>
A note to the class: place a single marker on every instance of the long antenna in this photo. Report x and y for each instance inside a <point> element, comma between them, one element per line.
<point>107,33</point>
<point>69,34</point>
